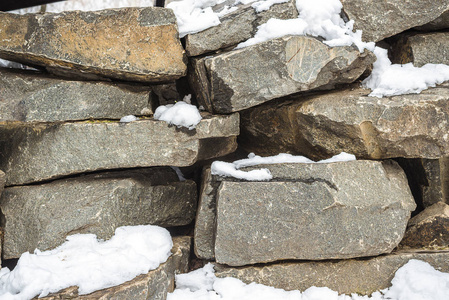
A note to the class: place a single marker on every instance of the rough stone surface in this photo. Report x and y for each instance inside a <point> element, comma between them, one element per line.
<point>382,19</point>
<point>271,70</point>
<point>2,181</point>
<point>151,286</point>
<point>442,22</point>
<point>362,276</point>
<point>47,151</point>
<point>34,97</point>
<point>236,27</point>
<point>134,44</point>
<point>322,125</point>
<point>41,216</point>
<point>429,229</point>
<point>321,215</point>
<point>421,49</point>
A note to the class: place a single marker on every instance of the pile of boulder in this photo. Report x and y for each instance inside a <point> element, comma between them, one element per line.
<point>71,166</point>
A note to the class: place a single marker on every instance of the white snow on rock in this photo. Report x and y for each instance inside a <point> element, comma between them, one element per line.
<point>88,263</point>
<point>129,118</point>
<point>181,114</point>
<point>222,168</point>
<point>416,280</point>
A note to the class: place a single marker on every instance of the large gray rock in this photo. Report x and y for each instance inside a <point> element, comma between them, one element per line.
<point>34,97</point>
<point>47,151</point>
<point>322,125</point>
<point>382,19</point>
<point>151,286</point>
<point>442,22</point>
<point>134,44</point>
<point>2,181</point>
<point>236,27</point>
<point>309,211</point>
<point>421,49</point>
<point>41,216</point>
<point>363,276</point>
<point>273,69</point>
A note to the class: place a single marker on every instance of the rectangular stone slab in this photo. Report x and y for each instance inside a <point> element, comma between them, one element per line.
<point>321,125</point>
<point>41,216</point>
<point>52,150</point>
<point>28,96</point>
<point>273,69</point>
<point>361,276</point>
<point>151,286</point>
<point>307,211</point>
<point>133,44</point>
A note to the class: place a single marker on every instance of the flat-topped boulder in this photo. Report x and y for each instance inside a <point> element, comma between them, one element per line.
<point>133,44</point>
<point>307,211</point>
<point>28,96</point>
<point>273,69</point>
<point>155,285</point>
<point>51,150</point>
<point>421,49</point>
<point>236,27</point>
<point>324,124</point>
<point>360,276</point>
<point>41,216</point>
<point>379,20</point>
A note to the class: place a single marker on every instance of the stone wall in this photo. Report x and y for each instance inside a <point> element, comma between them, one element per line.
<point>70,166</point>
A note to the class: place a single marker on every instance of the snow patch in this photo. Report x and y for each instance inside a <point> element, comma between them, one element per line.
<point>226,169</point>
<point>181,114</point>
<point>129,118</point>
<point>88,263</point>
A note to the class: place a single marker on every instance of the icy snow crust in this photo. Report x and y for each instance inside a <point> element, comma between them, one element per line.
<point>181,114</point>
<point>222,168</point>
<point>87,263</point>
<point>416,280</point>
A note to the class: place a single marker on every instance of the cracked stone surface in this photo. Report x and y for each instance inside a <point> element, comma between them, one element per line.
<point>236,27</point>
<point>151,286</point>
<point>361,276</point>
<point>273,69</point>
<point>381,19</point>
<point>307,211</point>
<point>324,124</point>
<point>132,44</point>
<point>52,150</point>
<point>41,216</point>
<point>27,96</point>
<point>421,49</point>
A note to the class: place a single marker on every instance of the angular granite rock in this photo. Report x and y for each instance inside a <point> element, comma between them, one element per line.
<point>133,44</point>
<point>382,19</point>
<point>442,22</point>
<point>308,211</point>
<point>429,229</point>
<point>421,49</point>
<point>48,151</point>
<point>34,97</point>
<point>236,27</point>
<point>41,216</point>
<point>271,70</point>
<point>322,125</point>
<point>361,276</point>
<point>151,286</point>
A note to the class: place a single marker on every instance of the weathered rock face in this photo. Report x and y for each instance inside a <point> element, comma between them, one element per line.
<point>421,49</point>
<point>271,70</point>
<point>442,22</point>
<point>236,27</point>
<point>134,44</point>
<point>345,276</point>
<point>151,286</point>
<point>379,20</point>
<point>41,216</point>
<point>322,125</point>
<point>2,181</point>
<point>34,97</point>
<point>32,154</point>
<point>429,229</point>
<point>309,211</point>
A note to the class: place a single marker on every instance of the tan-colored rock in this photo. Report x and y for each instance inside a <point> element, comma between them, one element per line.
<point>361,276</point>
<point>325,124</point>
<point>133,44</point>
<point>429,229</point>
<point>151,286</point>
